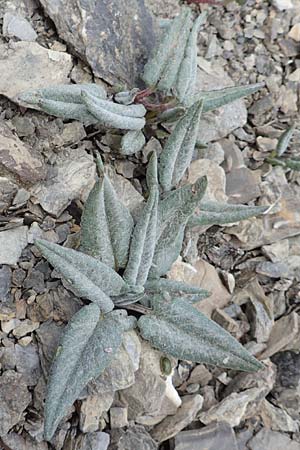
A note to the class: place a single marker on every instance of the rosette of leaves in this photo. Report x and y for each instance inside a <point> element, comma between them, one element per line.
<point>122,261</point>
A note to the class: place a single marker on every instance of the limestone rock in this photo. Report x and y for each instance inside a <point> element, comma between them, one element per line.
<point>18,159</point>
<point>92,441</point>
<point>118,417</point>
<point>92,409</point>
<point>14,399</point>
<point>294,32</point>
<point>70,177</point>
<point>114,37</point>
<point>19,442</point>
<point>215,176</point>
<point>18,26</point>
<point>172,425</point>
<point>49,68</point>
<point>134,438</point>
<point>12,242</point>
<point>277,419</point>
<point>272,440</point>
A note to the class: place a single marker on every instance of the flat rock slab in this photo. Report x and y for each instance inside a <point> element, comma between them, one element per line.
<point>215,436</point>
<point>12,242</point>
<point>272,440</point>
<point>28,65</point>
<point>18,159</point>
<point>113,36</point>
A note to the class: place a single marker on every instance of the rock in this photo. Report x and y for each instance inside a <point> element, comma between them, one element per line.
<point>12,242</point>
<point>25,327</point>
<point>48,336</point>
<point>113,37</point>
<point>19,442</point>
<point>70,177</point>
<point>214,152</point>
<point>118,417</point>
<point>172,425</point>
<point>125,168</point>
<point>14,399</point>
<point>234,158</point>
<point>8,190</point>
<point>17,26</point>
<point>92,441</point>
<point>219,436</point>
<point>49,68</point>
<point>266,144</point>
<point>277,419</point>
<point>278,251</point>
<point>282,5</point>
<point>121,372</point>
<point>272,440</point>
<point>203,275</point>
<point>218,124</point>
<point>288,369</point>
<point>92,409</point>
<point>283,333</point>
<point>28,363</point>
<point>294,76</point>
<point>294,32</point>
<point>241,186</point>
<point>5,282</point>
<point>18,159</point>
<point>272,270</point>
<point>134,438</point>
<point>200,374</point>
<point>72,133</point>
<point>164,400</point>
<point>163,8</point>
<point>215,176</point>
<point>125,190</point>
<point>234,408</point>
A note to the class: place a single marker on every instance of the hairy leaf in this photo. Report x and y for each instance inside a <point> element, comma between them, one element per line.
<point>67,111</point>
<point>216,99</point>
<point>126,97</point>
<point>144,234</point>
<point>178,151</point>
<point>285,140</point>
<point>293,164</point>
<point>88,346</point>
<point>89,277</point>
<point>115,115</point>
<point>178,288</point>
<point>179,330</point>
<point>213,213</point>
<point>163,67</point>
<point>106,226</point>
<point>187,74</point>
<point>173,214</point>
<point>132,142</point>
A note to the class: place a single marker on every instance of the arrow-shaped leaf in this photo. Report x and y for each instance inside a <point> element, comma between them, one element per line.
<point>89,277</point>
<point>175,288</point>
<point>179,330</point>
<point>106,226</point>
<point>144,234</point>
<point>178,151</point>
<point>88,346</point>
<point>173,214</point>
<point>213,213</point>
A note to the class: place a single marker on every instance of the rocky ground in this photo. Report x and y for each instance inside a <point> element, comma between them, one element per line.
<point>252,268</point>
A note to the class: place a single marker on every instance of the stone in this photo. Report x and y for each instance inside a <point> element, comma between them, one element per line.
<point>28,363</point>
<point>125,168</point>
<point>70,177</point>
<point>127,194</point>
<point>134,438</point>
<point>241,186</point>
<point>72,133</point>
<point>25,327</point>
<point>18,159</point>
<point>203,275</point>
<point>19,442</point>
<point>14,399</point>
<point>278,251</point>
<point>272,440</point>
<point>266,144</point>
<point>18,26</point>
<point>102,34</point>
<point>294,32</point>
<point>282,5</point>
<point>283,333</point>
<point>121,372</point>
<point>288,369</point>
<point>8,190</point>
<point>200,374</point>
<point>234,158</point>
<point>5,282</point>
<point>164,400</point>
<point>91,410</point>
<point>215,176</point>
<point>277,419</point>
<point>272,270</point>
<point>49,68</point>
<point>163,8</point>
<point>214,152</point>
<point>48,336</point>
<point>172,425</point>
<point>218,124</point>
<point>295,76</point>
<point>226,322</point>
<point>217,436</point>
<point>92,441</point>
<point>12,242</point>
<point>118,417</point>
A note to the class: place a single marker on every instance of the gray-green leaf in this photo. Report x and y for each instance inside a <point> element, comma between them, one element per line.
<point>285,140</point>
<point>106,226</point>
<point>216,99</point>
<point>89,277</point>
<point>144,234</point>
<point>178,329</point>
<point>213,213</point>
<point>132,142</point>
<point>88,346</point>
<point>177,288</point>
<point>178,151</point>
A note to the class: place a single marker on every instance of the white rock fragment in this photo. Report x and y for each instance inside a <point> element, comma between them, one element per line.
<point>12,242</point>
<point>17,26</point>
